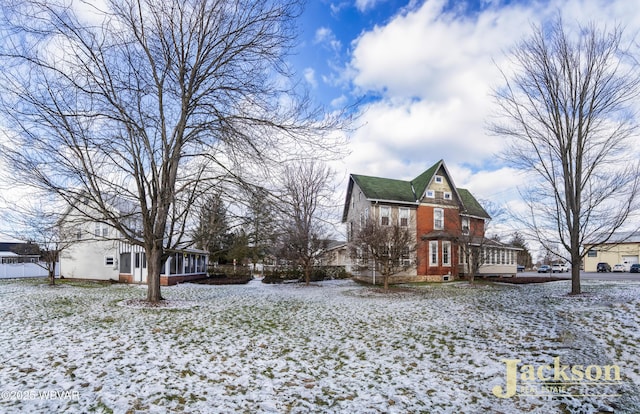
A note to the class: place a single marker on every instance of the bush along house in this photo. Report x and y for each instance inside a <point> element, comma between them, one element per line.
<point>447,222</point>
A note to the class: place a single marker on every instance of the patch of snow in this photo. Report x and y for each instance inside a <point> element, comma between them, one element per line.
<point>334,346</point>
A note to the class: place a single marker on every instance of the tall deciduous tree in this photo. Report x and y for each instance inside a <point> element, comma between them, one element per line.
<point>145,100</point>
<point>568,109</point>
<point>306,200</point>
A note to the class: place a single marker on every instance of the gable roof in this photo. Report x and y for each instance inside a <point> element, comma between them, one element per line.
<point>376,188</point>
<point>421,182</point>
<point>401,191</point>
<point>471,206</point>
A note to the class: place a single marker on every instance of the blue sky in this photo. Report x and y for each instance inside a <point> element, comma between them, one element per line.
<point>428,69</point>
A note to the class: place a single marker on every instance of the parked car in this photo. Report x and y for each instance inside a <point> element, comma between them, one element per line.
<point>520,268</point>
<point>559,268</point>
<point>635,268</point>
<point>619,268</point>
<point>544,269</point>
<point>603,267</point>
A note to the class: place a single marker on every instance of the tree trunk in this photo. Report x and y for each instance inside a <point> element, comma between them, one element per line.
<point>307,274</point>
<point>154,263</point>
<point>52,274</point>
<point>385,277</point>
<point>575,275</point>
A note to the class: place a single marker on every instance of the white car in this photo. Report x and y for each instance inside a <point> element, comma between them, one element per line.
<point>559,268</point>
<point>619,268</point>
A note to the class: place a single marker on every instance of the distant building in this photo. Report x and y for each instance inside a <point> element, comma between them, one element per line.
<point>624,248</point>
<point>442,217</point>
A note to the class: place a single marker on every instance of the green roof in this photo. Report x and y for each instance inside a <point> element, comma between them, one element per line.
<point>400,191</point>
<point>385,188</point>
<point>471,205</point>
<point>421,182</point>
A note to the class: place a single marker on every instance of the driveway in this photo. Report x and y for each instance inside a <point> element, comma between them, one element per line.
<point>586,275</point>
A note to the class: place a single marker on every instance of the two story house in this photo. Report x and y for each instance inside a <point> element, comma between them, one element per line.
<point>100,252</point>
<point>448,224</point>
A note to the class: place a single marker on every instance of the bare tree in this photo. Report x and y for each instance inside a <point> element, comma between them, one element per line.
<point>150,102</point>
<point>42,227</point>
<point>305,201</point>
<point>471,237</point>
<point>568,111</point>
<point>389,246</point>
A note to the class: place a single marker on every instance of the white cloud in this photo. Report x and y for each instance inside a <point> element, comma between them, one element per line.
<point>326,37</point>
<point>434,73</point>
<point>310,77</point>
<point>364,5</point>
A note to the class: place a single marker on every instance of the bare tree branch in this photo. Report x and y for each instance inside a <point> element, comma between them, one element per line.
<point>151,102</point>
<point>568,110</point>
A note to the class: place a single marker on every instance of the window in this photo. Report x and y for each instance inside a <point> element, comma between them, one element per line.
<point>403,215</point>
<point>431,194</point>
<point>109,261</point>
<point>433,253</point>
<point>465,225</point>
<point>438,179</point>
<point>101,230</point>
<point>446,253</point>
<point>78,233</point>
<point>405,258</point>
<point>592,253</point>
<point>385,215</point>
<point>447,195</point>
<point>438,219</point>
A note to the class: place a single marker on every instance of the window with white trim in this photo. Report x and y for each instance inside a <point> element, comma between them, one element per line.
<point>438,219</point>
<point>447,195</point>
<point>109,261</point>
<point>102,230</point>
<point>438,179</point>
<point>430,194</point>
<point>465,225</point>
<point>446,253</point>
<point>433,253</point>
<point>405,257</point>
<point>403,217</point>
<point>385,215</point>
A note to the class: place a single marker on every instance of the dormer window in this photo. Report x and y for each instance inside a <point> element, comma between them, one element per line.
<point>438,179</point>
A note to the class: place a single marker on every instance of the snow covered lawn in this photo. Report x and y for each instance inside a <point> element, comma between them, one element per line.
<point>331,347</point>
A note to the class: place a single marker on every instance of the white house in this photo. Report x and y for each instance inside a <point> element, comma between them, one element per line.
<point>100,252</point>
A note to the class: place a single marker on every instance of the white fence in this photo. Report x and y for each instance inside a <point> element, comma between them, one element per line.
<point>14,270</point>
